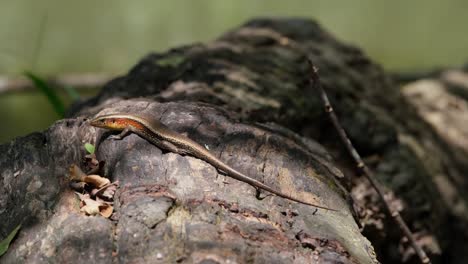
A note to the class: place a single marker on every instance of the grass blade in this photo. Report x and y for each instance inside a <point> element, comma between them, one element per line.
<point>50,93</point>
<point>72,93</point>
<point>4,244</point>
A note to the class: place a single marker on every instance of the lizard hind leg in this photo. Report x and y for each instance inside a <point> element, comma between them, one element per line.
<point>172,148</point>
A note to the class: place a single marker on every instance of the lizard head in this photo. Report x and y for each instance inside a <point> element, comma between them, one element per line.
<point>109,122</point>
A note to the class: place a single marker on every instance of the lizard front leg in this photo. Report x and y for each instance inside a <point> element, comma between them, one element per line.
<point>122,134</point>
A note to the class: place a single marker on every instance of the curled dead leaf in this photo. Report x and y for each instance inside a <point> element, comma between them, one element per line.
<point>75,173</point>
<point>96,180</point>
<point>106,211</point>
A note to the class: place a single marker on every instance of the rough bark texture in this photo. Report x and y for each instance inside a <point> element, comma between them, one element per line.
<point>441,101</point>
<point>245,96</point>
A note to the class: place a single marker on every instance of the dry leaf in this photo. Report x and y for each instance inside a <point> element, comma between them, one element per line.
<point>106,210</point>
<point>92,207</point>
<point>76,174</point>
<point>107,192</point>
<point>96,180</point>
<point>82,196</point>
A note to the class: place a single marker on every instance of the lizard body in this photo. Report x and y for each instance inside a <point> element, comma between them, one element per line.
<point>165,138</point>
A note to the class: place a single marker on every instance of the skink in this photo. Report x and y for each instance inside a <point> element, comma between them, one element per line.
<point>167,139</point>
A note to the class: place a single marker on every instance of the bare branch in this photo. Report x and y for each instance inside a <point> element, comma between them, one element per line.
<point>315,82</point>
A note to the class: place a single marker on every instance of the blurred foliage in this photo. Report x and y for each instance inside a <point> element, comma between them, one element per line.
<point>49,92</point>
<point>23,113</point>
<point>53,36</point>
<point>110,35</point>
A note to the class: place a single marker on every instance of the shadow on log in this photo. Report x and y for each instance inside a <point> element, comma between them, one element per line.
<point>245,97</point>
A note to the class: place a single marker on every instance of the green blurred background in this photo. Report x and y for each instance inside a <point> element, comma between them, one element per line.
<point>108,36</point>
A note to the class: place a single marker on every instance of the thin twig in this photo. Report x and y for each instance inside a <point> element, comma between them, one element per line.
<point>315,82</point>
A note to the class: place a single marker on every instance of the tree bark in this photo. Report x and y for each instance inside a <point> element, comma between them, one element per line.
<point>245,96</point>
